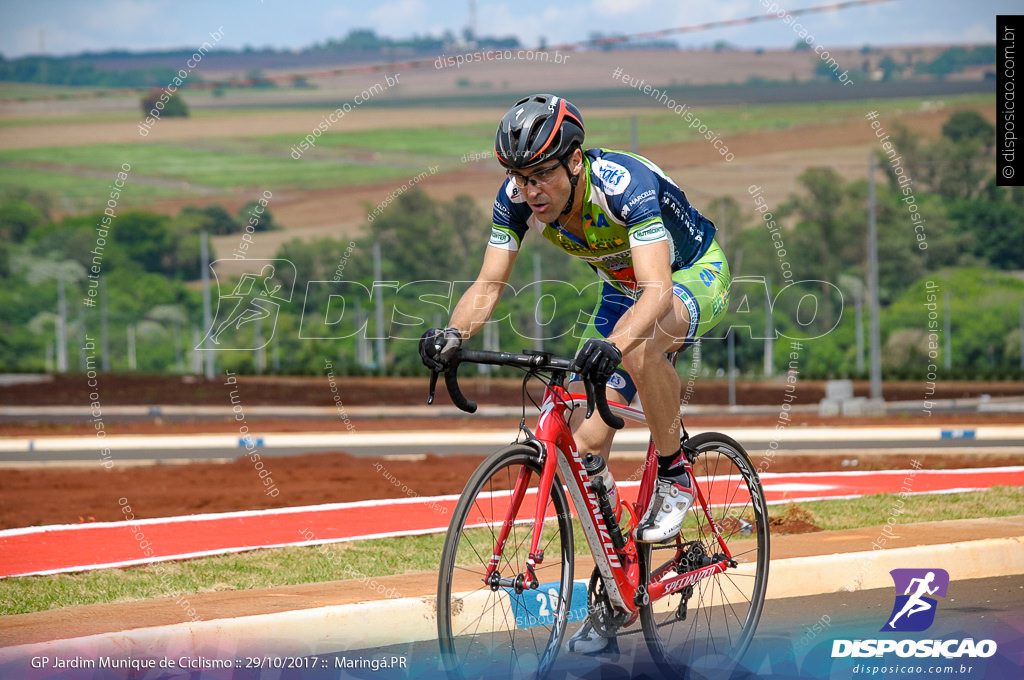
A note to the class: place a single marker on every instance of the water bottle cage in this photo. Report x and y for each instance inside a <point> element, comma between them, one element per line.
<point>618,540</point>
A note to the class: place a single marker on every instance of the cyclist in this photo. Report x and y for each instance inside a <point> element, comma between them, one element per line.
<point>666,281</point>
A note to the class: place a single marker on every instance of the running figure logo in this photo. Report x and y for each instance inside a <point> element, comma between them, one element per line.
<point>252,306</point>
<point>914,611</point>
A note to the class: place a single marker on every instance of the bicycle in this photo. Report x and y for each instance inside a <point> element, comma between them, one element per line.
<point>505,584</point>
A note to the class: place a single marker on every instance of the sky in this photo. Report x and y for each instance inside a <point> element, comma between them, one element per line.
<point>62,27</point>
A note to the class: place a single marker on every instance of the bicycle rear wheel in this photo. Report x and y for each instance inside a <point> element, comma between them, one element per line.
<point>708,626</point>
<point>495,631</point>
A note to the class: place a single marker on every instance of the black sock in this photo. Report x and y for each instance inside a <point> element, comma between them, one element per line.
<point>673,466</point>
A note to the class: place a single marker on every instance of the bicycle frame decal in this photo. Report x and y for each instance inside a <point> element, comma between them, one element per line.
<point>553,431</point>
<point>659,590</point>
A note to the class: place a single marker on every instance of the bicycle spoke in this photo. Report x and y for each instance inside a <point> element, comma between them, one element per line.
<point>494,632</point>
<point>723,609</point>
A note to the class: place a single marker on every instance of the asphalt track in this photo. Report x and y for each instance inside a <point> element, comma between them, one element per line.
<point>794,640</point>
<point>157,448</point>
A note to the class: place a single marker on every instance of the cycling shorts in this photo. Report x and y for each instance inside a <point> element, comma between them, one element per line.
<point>704,289</point>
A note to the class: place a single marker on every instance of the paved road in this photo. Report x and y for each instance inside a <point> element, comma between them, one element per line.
<point>788,646</point>
<point>85,449</point>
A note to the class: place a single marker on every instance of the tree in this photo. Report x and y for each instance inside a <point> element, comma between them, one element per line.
<point>956,166</point>
<point>173,104</point>
<point>890,68</point>
<point>213,218</point>
<point>260,218</point>
<point>145,238</point>
<point>420,243</point>
<point>993,228</point>
<point>828,236</point>
<point>725,212</point>
<point>969,126</point>
<point>17,218</point>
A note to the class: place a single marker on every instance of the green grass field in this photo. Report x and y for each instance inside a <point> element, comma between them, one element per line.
<point>345,158</point>
<point>9,90</point>
<point>384,557</point>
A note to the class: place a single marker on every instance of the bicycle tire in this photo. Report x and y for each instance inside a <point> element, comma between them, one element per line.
<point>723,610</point>
<point>484,632</point>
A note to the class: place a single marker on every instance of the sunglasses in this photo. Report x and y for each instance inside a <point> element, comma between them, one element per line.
<point>539,178</point>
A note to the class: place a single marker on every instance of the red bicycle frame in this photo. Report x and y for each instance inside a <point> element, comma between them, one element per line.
<point>620,569</point>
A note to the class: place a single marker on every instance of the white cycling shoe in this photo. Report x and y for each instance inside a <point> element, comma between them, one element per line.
<point>666,512</point>
<point>586,640</point>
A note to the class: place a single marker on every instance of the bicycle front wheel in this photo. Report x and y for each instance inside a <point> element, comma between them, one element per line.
<point>708,626</point>
<point>496,629</point>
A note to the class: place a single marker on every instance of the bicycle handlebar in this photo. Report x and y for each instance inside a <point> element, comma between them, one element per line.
<point>539,361</point>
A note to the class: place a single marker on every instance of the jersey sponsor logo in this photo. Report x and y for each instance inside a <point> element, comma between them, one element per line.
<point>513,193</point>
<point>600,221</point>
<point>615,263</point>
<point>616,382</point>
<point>691,306</point>
<point>708,275</point>
<point>627,279</point>
<point>676,209</point>
<point>499,238</point>
<point>654,232</point>
<point>598,245</point>
<point>636,199</point>
<point>613,176</point>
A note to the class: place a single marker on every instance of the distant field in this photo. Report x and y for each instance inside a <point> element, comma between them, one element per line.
<point>10,90</point>
<point>205,166</point>
<point>73,192</point>
<point>348,158</point>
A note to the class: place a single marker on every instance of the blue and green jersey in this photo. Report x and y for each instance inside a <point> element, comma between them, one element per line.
<point>627,201</point>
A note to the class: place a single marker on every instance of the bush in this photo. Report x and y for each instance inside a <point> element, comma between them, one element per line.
<point>172,105</point>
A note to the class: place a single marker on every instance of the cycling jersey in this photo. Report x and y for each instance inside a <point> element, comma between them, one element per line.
<point>628,201</point>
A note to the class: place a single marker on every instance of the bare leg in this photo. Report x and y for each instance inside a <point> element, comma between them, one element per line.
<point>656,378</point>
<point>592,435</point>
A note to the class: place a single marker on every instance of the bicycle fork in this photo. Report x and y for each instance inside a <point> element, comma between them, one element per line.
<point>519,582</point>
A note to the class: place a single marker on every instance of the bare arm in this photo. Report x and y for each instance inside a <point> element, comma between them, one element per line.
<point>478,302</point>
<point>653,273</point>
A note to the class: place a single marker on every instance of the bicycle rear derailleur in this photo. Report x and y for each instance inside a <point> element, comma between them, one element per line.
<point>691,559</point>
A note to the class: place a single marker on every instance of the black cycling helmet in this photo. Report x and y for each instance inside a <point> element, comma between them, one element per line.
<point>537,129</point>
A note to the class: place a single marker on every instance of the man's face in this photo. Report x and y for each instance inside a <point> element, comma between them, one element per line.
<point>547,187</point>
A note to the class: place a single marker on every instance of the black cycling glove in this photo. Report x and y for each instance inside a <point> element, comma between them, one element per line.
<point>437,346</point>
<point>597,360</point>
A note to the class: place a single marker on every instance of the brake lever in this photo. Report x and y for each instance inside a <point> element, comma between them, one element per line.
<point>433,386</point>
<point>591,398</point>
